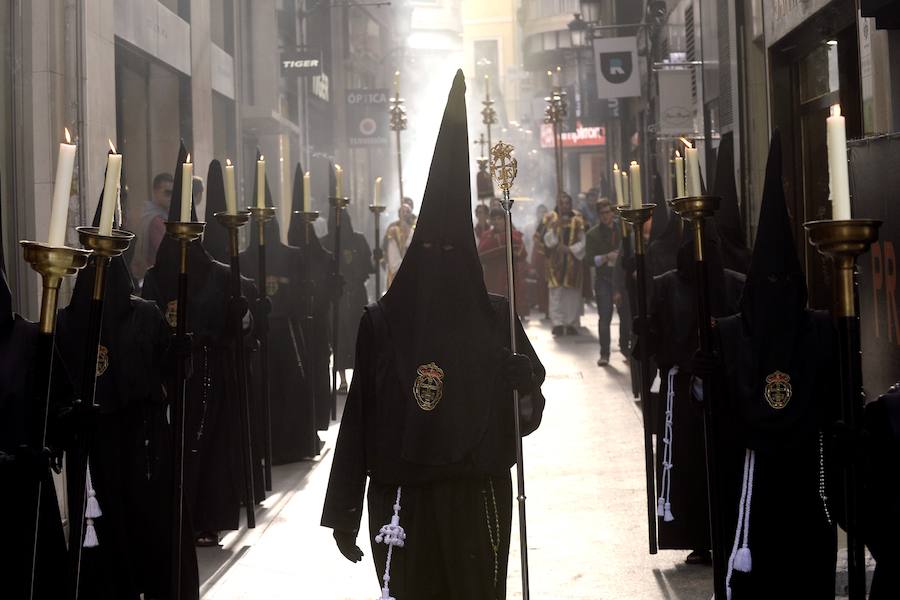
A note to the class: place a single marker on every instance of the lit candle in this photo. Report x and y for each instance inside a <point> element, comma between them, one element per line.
<point>487,86</point>
<point>679,175</point>
<point>637,201</point>
<point>110,190</point>
<point>377,191</point>
<point>261,182</point>
<point>187,185</point>
<point>397,83</point>
<point>59,208</point>
<point>617,182</point>
<point>693,171</point>
<point>230,189</point>
<point>838,177</point>
<point>307,192</point>
<point>625,188</point>
<point>339,178</point>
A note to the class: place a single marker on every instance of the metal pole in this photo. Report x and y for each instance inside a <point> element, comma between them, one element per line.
<point>178,422</point>
<point>338,204</point>
<point>263,328</point>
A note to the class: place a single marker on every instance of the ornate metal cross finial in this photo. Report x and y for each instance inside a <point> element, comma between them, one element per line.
<point>481,143</point>
<point>503,166</point>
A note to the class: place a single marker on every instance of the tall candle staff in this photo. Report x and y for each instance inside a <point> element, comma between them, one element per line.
<point>106,243</point>
<point>504,169</point>
<point>54,261</point>
<point>398,125</point>
<point>556,111</point>
<point>185,232</point>
<point>338,203</point>
<point>636,213</point>
<point>262,215</point>
<point>844,240</point>
<point>694,210</point>
<point>377,254</point>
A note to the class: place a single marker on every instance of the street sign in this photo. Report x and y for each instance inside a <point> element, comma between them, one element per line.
<point>301,63</point>
<point>367,118</point>
<point>616,62</point>
<point>582,137</point>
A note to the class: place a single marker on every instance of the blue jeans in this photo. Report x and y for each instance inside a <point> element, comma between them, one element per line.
<point>603,294</point>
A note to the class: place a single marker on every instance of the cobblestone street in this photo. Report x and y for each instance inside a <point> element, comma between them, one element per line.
<point>585,487</point>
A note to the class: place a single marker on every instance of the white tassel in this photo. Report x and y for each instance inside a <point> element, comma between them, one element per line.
<point>743,561</point>
<point>92,509</point>
<point>90,535</point>
<point>668,517</point>
<point>393,535</point>
<point>663,505</point>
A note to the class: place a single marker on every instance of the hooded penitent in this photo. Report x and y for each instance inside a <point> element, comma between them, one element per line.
<point>665,234</point>
<point>215,237</point>
<point>293,418</point>
<point>20,471</point>
<point>780,370</point>
<point>315,266</point>
<point>355,268</point>
<point>130,446</point>
<point>212,446</point>
<point>735,254</point>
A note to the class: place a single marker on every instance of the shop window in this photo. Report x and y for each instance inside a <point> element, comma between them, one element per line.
<point>819,72</point>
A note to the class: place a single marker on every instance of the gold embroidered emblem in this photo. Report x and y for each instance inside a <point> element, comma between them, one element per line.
<point>172,313</point>
<point>778,390</point>
<point>429,386</point>
<point>271,285</point>
<point>348,257</point>
<point>102,360</point>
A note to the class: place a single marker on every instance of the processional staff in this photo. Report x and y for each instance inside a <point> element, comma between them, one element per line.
<point>504,169</point>
<point>338,203</point>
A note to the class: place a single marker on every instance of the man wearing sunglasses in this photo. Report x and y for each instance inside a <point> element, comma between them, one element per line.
<point>152,228</point>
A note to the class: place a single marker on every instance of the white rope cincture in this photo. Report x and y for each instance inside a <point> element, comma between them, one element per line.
<point>741,559</point>
<point>392,535</point>
<point>664,504</point>
<point>91,511</point>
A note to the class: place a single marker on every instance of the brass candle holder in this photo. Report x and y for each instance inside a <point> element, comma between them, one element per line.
<point>309,217</point>
<point>844,242</point>
<point>262,215</point>
<point>233,222</point>
<point>695,210</point>
<point>185,232</point>
<point>104,248</point>
<point>636,217</point>
<point>53,263</point>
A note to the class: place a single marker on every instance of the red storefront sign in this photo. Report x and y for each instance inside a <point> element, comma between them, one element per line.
<point>580,138</point>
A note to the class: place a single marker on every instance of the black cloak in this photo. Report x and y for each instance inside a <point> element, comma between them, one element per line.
<point>780,369</point>
<point>131,446</point>
<point>20,472</point>
<point>318,293</point>
<point>293,417</point>
<point>212,436</point>
<point>730,225</point>
<point>356,266</point>
<point>427,409</point>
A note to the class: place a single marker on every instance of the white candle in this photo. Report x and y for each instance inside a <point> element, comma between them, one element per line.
<point>377,191</point>
<point>339,178</point>
<point>625,189</point>
<point>679,175</point>
<point>187,188</point>
<point>839,179</point>
<point>110,191</point>
<point>59,208</point>
<point>693,172</point>
<point>230,189</point>
<point>261,182</point>
<point>637,200</point>
<point>307,192</point>
<point>617,182</point>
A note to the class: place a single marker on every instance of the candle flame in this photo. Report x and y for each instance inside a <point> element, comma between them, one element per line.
<point>677,154</point>
<point>68,136</point>
<point>835,110</point>
<point>337,168</point>
<point>634,163</point>
<point>111,146</point>
<point>188,159</point>
<point>227,162</point>
<point>615,166</point>
<point>687,143</point>
<point>378,179</point>
<point>261,158</point>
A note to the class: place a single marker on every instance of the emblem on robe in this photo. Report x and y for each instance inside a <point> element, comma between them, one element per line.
<point>102,360</point>
<point>778,390</point>
<point>172,313</point>
<point>429,386</point>
<point>271,285</point>
<point>348,256</point>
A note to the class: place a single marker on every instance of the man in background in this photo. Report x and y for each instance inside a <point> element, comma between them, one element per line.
<point>602,252</point>
<point>152,227</point>
<point>397,237</point>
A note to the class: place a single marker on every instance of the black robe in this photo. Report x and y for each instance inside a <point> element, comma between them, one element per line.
<point>356,266</point>
<point>18,345</point>
<point>292,405</point>
<point>213,472</point>
<point>673,316</point>
<point>440,502</point>
<point>793,544</point>
<point>130,455</point>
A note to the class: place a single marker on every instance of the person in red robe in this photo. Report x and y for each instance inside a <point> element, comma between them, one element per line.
<point>492,252</point>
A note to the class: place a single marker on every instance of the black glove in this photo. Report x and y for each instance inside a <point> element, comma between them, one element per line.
<point>377,255</point>
<point>346,543</point>
<point>516,371</point>
<point>705,364</point>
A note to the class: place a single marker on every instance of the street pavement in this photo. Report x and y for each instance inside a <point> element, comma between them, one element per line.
<point>587,530</point>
